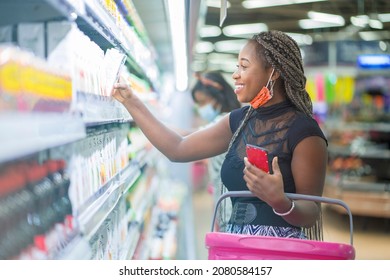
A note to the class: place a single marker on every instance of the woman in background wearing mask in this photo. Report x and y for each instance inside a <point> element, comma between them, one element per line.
<point>214,98</point>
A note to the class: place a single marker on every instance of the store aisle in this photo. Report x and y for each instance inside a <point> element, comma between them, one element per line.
<point>371,235</point>
<point>203,211</point>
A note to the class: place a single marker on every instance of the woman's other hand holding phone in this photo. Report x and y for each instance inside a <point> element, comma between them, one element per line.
<point>267,187</point>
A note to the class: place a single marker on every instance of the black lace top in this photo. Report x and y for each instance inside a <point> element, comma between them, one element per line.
<point>278,128</point>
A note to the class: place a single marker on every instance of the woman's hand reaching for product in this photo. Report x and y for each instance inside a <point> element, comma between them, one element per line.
<point>267,187</point>
<point>122,92</point>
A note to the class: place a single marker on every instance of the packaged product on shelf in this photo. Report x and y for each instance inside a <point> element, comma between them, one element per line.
<point>30,84</point>
<point>16,235</point>
<point>10,81</point>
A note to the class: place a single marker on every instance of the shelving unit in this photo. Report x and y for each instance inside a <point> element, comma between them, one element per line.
<point>358,168</point>
<point>106,222</point>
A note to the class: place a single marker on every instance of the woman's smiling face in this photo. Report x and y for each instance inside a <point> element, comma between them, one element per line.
<point>251,74</point>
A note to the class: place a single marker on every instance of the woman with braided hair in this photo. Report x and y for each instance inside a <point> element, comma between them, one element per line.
<point>278,117</point>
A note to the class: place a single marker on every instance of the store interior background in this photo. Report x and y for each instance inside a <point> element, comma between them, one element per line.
<point>346,51</point>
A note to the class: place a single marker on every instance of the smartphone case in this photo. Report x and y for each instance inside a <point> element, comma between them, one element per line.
<point>258,157</point>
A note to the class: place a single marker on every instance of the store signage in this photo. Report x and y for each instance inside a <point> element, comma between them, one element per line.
<point>374,61</point>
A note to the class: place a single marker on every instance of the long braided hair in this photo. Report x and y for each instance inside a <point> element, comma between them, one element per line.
<point>281,52</point>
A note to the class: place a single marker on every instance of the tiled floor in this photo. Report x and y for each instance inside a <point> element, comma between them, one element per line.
<point>371,235</point>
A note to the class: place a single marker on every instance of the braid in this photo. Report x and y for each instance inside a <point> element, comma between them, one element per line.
<point>223,208</point>
<point>243,123</point>
<point>281,52</point>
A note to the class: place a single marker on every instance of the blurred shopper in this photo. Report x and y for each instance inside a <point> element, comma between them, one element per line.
<point>214,98</point>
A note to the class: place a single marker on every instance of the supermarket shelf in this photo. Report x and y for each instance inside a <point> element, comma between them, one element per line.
<point>357,184</point>
<point>87,20</point>
<point>364,126</point>
<point>369,152</point>
<point>25,134</point>
<point>131,242</point>
<point>96,110</point>
<point>90,19</point>
<point>361,203</point>
<point>16,11</point>
<point>93,213</point>
<point>97,25</point>
<point>77,249</point>
<point>138,220</point>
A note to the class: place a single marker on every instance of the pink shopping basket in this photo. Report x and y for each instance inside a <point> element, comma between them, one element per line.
<point>227,246</point>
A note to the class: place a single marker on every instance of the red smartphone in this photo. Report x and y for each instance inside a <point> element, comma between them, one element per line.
<point>258,157</point>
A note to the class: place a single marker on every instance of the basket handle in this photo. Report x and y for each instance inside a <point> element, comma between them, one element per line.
<point>293,196</point>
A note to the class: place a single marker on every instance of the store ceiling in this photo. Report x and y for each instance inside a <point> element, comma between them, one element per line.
<point>155,17</point>
<point>284,18</point>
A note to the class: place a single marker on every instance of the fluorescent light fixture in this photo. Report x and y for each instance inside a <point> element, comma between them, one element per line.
<point>301,39</point>
<point>204,47</point>
<point>216,3</point>
<point>360,21</point>
<point>383,46</point>
<point>198,66</point>
<point>210,31</point>
<point>374,61</point>
<point>179,42</point>
<point>246,30</point>
<point>321,20</point>
<point>230,46</point>
<point>374,23</point>
<point>327,18</point>
<point>384,17</point>
<point>374,35</point>
<point>253,4</point>
<point>223,62</point>
<point>222,56</point>
<point>313,24</point>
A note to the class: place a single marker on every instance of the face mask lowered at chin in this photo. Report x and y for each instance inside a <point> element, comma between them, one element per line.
<point>263,96</point>
<point>207,112</point>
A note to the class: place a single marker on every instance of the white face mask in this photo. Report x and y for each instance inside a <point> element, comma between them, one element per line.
<point>207,112</point>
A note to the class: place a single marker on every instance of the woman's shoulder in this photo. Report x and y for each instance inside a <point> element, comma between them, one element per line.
<point>236,116</point>
<point>304,121</point>
<point>239,112</point>
<point>304,126</point>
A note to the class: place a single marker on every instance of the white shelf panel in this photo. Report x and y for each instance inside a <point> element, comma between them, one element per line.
<point>93,213</point>
<point>24,134</point>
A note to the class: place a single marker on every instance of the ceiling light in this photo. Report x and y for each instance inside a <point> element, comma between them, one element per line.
<point>374,23</point>
<point>230,46</point>
<point>321,20</point>
<point>383,46</point>
<point>253,4</point>
<point>179,42</point>
<point>374,35</point>
<point>313,24</point>
<point>384,17</point>
<point>248,30</point>
<point>204,47</point>
<point>301,39</point>
<point>210,31</point>
<point>216,3</point>
<point>360,21</point>
<point>327,18</point>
